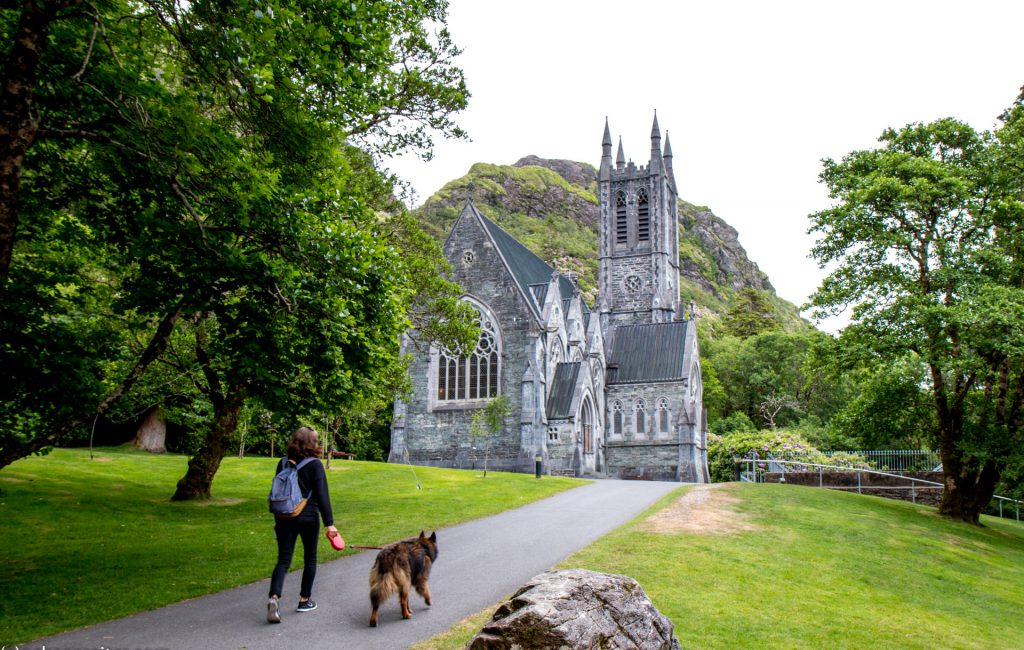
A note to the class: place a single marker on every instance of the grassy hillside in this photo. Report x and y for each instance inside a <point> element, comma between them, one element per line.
<point>551,206</point>
<point>87,541</point>
<point>781,566</point>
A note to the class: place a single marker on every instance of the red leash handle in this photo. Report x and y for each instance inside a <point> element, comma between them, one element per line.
<point>339,544</point>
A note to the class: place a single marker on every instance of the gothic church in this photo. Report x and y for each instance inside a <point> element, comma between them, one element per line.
<point>614,392</point>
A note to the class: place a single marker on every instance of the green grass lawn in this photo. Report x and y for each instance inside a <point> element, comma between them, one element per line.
<point>827,569</point>
<point>822,569</point>
<point>86,541</point>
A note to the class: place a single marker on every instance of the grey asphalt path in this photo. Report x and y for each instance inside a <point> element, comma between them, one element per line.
<point>479,563</point>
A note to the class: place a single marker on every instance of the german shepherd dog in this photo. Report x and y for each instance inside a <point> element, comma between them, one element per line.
<point>399,568</point>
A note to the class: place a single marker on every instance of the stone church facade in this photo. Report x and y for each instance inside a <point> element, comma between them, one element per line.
<point>614,391</point>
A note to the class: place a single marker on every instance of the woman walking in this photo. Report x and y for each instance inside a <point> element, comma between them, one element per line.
<point>312,482</point>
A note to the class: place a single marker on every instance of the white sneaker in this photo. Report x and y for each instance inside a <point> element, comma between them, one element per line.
<point>273,611</point>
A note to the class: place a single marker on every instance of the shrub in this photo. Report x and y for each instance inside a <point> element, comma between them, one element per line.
<point>780,444</point>
<point>735,422</point>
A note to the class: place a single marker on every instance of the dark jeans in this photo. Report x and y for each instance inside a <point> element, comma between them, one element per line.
<point>287,531</point>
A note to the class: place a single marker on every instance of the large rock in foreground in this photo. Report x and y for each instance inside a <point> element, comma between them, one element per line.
<point>577,609</point>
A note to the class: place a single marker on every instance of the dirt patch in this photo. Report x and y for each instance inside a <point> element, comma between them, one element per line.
<point>703,510</point>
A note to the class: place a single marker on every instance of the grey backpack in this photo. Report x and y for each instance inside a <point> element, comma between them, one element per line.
<point>286,498</point>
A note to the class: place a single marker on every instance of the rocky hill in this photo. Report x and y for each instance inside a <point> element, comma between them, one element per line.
<point>551,206</point>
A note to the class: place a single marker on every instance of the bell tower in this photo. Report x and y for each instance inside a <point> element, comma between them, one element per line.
<point>638,236</point>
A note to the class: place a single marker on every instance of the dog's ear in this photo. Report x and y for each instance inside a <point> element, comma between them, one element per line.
<point>422,534</point>
<point>433,537</point>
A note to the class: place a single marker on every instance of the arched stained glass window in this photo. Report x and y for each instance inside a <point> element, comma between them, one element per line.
<point>664,418</point>
<point>617,418</point>
<point>472,376</point>
<point>640,416</point>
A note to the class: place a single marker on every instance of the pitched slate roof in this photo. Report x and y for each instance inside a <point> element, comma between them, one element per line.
<point>562,387</point>
<point>641,353</point>
<point>528,270</point>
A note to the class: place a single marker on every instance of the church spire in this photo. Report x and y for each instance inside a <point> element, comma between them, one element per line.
<point>655,144</point>
<point>667,158</point>
<point>620,158</point>
<point>606,153</point>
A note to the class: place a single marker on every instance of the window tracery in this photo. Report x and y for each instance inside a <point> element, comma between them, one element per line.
<point>617,417</point>
<point>475,375</point>
<point>640,416</point>
<point>664,418</point>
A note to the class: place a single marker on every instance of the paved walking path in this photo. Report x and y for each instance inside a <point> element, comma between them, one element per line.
<point>479,563</point>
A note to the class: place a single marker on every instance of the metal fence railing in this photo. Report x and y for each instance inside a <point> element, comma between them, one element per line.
<point>756,466</point>
<point>884,460</point>
<point>894,460</point>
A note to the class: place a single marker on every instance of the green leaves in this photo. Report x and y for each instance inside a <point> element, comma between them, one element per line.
<point>219,156</point>
<point>924,241</point>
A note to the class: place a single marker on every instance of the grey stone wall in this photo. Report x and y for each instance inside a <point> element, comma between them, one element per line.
<point>648,461</point>
<point>441,429</point>
<point>651,455</point>
<point>631,307</point>
<point>561,451</point>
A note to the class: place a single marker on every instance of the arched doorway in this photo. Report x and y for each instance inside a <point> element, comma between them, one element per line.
<point>587,427</point>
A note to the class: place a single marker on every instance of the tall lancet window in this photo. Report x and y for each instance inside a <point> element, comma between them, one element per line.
<point>617,418</point>
<point>640,417</point>
<point>471,376</point>
<point>621,229</point>
<point>664,418</point>
<point>643,216</point>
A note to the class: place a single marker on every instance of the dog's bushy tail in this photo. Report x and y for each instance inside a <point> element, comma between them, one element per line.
<point>382,579</point>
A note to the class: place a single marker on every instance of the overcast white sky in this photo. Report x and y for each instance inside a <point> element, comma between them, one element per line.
<point>753,94</point>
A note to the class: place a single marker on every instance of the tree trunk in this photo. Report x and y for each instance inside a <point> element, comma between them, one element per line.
<point>157,345</point>
<point>203,466</point>
<point>152,433</point>
<point>968,491</point>
<point>18,126</point>
<point>968,487</point>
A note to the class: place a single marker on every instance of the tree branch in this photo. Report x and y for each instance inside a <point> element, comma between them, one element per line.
<point>157,344</point>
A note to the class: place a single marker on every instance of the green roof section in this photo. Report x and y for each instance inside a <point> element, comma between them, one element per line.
<point>643,353</point>
<point>526,267</point>
<point>559,406</point>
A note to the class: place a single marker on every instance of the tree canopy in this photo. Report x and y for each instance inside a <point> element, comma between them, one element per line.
<point>196,184</point>
<point>924,242</point>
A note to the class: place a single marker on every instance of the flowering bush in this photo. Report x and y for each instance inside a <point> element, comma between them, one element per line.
<point>778,444</point>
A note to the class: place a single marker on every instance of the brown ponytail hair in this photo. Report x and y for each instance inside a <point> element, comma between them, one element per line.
<point>304,443</point>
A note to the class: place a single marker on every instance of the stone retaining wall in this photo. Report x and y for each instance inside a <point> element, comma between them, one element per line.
<point>891,487</point>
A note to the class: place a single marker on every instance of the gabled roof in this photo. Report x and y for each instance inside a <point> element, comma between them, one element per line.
<point>653,352</point>
<point>559,406</point>
<point>527,269</point>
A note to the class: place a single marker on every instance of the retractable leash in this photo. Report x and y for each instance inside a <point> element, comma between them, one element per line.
<point>339,544</point>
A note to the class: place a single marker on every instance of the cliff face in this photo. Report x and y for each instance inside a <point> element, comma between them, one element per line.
<point>720,242</point>
<point>551,206</point>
